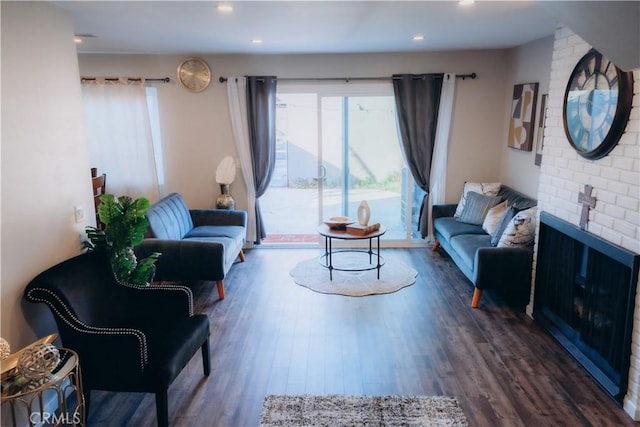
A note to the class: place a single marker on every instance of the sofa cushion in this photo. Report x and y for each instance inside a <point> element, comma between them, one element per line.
<point>515,198</point>
<point>486,188</point>
<point>169,218</point>
<point>466,246</point>
<point>231,247</point>
<point>492,220</point>
<point>450,226</point>
<point>476,207</point>
<point>232,231</point>
<point>521,229</point>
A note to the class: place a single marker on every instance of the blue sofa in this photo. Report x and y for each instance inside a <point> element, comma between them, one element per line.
<point>507,269</point>
<point>196,244</point>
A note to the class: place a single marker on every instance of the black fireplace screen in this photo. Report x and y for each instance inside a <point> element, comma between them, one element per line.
<point>584,296</point>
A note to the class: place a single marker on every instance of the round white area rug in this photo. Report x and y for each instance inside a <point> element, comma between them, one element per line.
<point>394,275</point>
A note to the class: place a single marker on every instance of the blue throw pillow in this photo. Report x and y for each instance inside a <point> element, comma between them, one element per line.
<point>502,225</point>
<point>476,207</point>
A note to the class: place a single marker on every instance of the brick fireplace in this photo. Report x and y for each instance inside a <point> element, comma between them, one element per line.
<point>615,180</point>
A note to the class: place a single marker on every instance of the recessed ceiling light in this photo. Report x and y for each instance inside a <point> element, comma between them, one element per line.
<point>79,38</point>
<point>225,8</point>
<point>418,37</point>
<point>466,2</point>
<point>256,41</point>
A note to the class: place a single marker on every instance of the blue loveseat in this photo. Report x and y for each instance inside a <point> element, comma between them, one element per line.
<point>196,244</point>
<point>507,269</point>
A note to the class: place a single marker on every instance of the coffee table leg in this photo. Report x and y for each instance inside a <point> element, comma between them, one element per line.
<point>330,261</point>
<point>378,266</point>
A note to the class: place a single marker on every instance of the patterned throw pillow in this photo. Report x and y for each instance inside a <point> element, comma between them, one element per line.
<point>521,230</point>
<point>476,207</point>
<point>486,188</point>
<point>492,220</point>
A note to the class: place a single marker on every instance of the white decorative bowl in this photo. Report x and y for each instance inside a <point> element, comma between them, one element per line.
<point>338,222</point>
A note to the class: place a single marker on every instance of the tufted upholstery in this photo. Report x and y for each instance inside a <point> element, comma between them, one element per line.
<point>169,218</point>
<point>128,338</point>
<point>196,244</point>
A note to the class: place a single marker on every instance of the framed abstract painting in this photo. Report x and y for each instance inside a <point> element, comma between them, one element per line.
<point>523,114</point>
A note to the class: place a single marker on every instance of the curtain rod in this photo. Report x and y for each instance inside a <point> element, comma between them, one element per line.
<point>131,79</point>
<point>316,79</point>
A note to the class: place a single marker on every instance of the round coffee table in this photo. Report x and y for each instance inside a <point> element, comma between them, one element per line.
<point>329,234</point>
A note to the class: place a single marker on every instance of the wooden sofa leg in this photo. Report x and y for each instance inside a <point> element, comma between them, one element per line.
<point>435,246</point>
<point>241,255</point>
<point>477,294</point>
<point>220,289</point>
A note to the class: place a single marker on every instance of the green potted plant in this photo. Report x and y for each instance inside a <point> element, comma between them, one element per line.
<point>125,222</point>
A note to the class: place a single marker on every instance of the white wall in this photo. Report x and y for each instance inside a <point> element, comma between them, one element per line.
<point>45,166</point>
<point>529,63</point>
<point>615,179</point>
<point>197,133</point>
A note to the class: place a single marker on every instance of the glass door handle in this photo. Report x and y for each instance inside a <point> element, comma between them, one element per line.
<point>323,173</point>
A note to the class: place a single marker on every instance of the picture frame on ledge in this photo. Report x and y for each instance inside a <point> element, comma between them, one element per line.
<point>523,114</point>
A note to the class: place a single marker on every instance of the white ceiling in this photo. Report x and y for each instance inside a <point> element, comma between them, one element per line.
<point>289,27</point>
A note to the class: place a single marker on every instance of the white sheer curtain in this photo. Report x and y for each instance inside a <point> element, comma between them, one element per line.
<point>119,137</point>
<point>438,177</point>
<point>237,98</point>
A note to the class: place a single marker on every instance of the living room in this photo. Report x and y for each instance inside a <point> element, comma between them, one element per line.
<point>45,159</point>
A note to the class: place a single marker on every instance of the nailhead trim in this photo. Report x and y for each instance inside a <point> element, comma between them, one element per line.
<point>71,320</point>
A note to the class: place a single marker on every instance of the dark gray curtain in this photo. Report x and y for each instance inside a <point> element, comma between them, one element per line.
<point>417,101</point>
<point>261,114</point>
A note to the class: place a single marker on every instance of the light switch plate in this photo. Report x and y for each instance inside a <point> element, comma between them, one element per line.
<point>78,212</point>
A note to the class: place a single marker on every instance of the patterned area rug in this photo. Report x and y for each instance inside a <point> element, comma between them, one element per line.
<point>335,411</point>
<point>393,276</point>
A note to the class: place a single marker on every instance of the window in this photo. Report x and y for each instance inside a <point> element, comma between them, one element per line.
<point>336,145</point>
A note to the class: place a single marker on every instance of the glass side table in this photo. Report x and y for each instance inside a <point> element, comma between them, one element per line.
<point>27,400</point>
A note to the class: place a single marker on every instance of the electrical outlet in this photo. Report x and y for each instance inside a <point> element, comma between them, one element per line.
<point>78,213</point>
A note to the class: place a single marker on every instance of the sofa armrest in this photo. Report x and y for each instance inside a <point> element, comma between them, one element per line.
<point>185,259</point>
<point>218,217</point>
<point>440,211</point>
<point>123,355</point>
<point>508,269</point>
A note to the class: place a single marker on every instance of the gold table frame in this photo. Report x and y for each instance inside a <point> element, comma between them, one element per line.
<point>65,382</point>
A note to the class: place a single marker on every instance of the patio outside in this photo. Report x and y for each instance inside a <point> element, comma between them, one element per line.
<point>348,145</point>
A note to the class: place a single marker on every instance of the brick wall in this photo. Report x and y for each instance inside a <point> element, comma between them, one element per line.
<point>615,180</point>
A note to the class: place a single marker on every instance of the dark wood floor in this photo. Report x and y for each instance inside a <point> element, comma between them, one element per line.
<point>270,335</point>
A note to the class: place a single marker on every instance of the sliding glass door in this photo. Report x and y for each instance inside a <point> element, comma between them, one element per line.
<point>336,146</point>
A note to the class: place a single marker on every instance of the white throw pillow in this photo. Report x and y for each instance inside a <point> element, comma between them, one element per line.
<point>521,231</point>
<point>493,217</point>
<point>486,188</point>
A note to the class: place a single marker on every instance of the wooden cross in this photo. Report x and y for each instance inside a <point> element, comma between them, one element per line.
<point>588,201</point>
